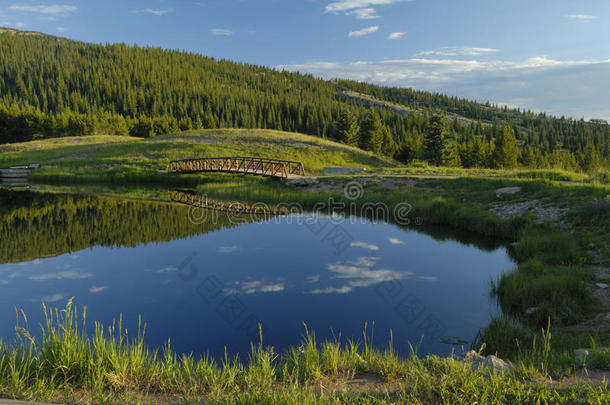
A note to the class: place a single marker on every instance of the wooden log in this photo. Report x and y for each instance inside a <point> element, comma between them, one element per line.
<point>13,173</point>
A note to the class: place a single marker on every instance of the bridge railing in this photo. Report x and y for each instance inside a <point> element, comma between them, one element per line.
<point>247,165</point>
<point>197,201</point>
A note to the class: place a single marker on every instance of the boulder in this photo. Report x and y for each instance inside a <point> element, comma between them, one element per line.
<point>473,356</point>
<point>493,365</point>
<point>507,191</point>
<point>580,355</point>
<point>496,365</point>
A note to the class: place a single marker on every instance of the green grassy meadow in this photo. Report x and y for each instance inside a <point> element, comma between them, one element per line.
<point>107,152</point>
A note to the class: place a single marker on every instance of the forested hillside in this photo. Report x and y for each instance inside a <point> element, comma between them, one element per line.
<point>51,87</point>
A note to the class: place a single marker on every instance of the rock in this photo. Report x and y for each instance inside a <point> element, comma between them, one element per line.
<point>507,191</point>
<point>581,354</point>
<point>493,364</point>
<point>497,365</point>
<point>302,182</point>
<point>603,286</point>
<point>475,360</point>
<point>531,311</point>
<point>473,356</point>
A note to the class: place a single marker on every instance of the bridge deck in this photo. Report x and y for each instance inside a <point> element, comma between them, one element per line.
<point>194,200</point>
<point>246,165</point>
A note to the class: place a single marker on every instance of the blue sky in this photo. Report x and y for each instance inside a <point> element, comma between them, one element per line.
<point>545,55</point>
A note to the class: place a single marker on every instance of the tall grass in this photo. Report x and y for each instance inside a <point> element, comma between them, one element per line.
<point>107,366</point>
<point>70,365</point>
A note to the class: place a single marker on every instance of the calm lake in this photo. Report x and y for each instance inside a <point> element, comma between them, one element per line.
<point>207,285</point>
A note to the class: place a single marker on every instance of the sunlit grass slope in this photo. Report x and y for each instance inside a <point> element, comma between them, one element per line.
<point>107,152</point>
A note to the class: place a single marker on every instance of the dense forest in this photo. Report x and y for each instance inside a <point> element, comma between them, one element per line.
<point>35,225</point>
<point>52,87</point>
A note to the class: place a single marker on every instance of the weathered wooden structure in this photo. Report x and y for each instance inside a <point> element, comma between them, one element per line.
<point>15,176</point>
<point>194,200</point>
<point>246,165</point>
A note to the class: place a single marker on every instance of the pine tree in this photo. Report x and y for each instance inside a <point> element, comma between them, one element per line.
<point>451,150</point>
<point>348,130</point>
<point>506,152</point>
<point>589,160</point>
<point>433,141</point>
<point>388,146</point>
<point>529,158</point>
<point>371,137</point>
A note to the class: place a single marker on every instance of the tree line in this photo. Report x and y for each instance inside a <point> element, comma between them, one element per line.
<point>53,87</point>
<point>34,225</point>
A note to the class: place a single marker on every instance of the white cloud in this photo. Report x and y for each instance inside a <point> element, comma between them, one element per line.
<point>428,278</point>
<point>228,249</point>
<point>431,73</point>
<point>3,282</point>
<point>19,25</point>
<point>62,275</point>
<point>311,279</point>
<point>364,13</point>
<point>56,10</point>
<point>581,17</point>
<point>346,5</point>
<point>364,31</point>
<point>157,12</point>
<point>396,241</point>
<point>574,88</point>
<point>361,273</point>
<point>221,32</point>
<point>54,298</point>
<point>272,288</point>
<point>95,290</point>
<point>364,245</point>
<point>458,51</point>
<point>364,276</point>
<point>168,269</point>
<point>396,35</point>
<point>332,290</point>
<point>254,287</point>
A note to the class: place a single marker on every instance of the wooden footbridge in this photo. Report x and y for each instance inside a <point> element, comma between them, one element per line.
<point>192,199</point>
<point>246,165</point>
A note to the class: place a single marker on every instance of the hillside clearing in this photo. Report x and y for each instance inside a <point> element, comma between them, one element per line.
<point>108,151</point>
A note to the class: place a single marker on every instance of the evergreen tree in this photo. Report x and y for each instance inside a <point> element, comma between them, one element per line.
<point>433,141</point>
<point>506,152</point>
<point>451,151</point>
<point>371,136</point>
<point>589,160</point>
<point>411,148</point>
<point>348,130</point>
<point>388,146</point>
<point>530,157</point>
